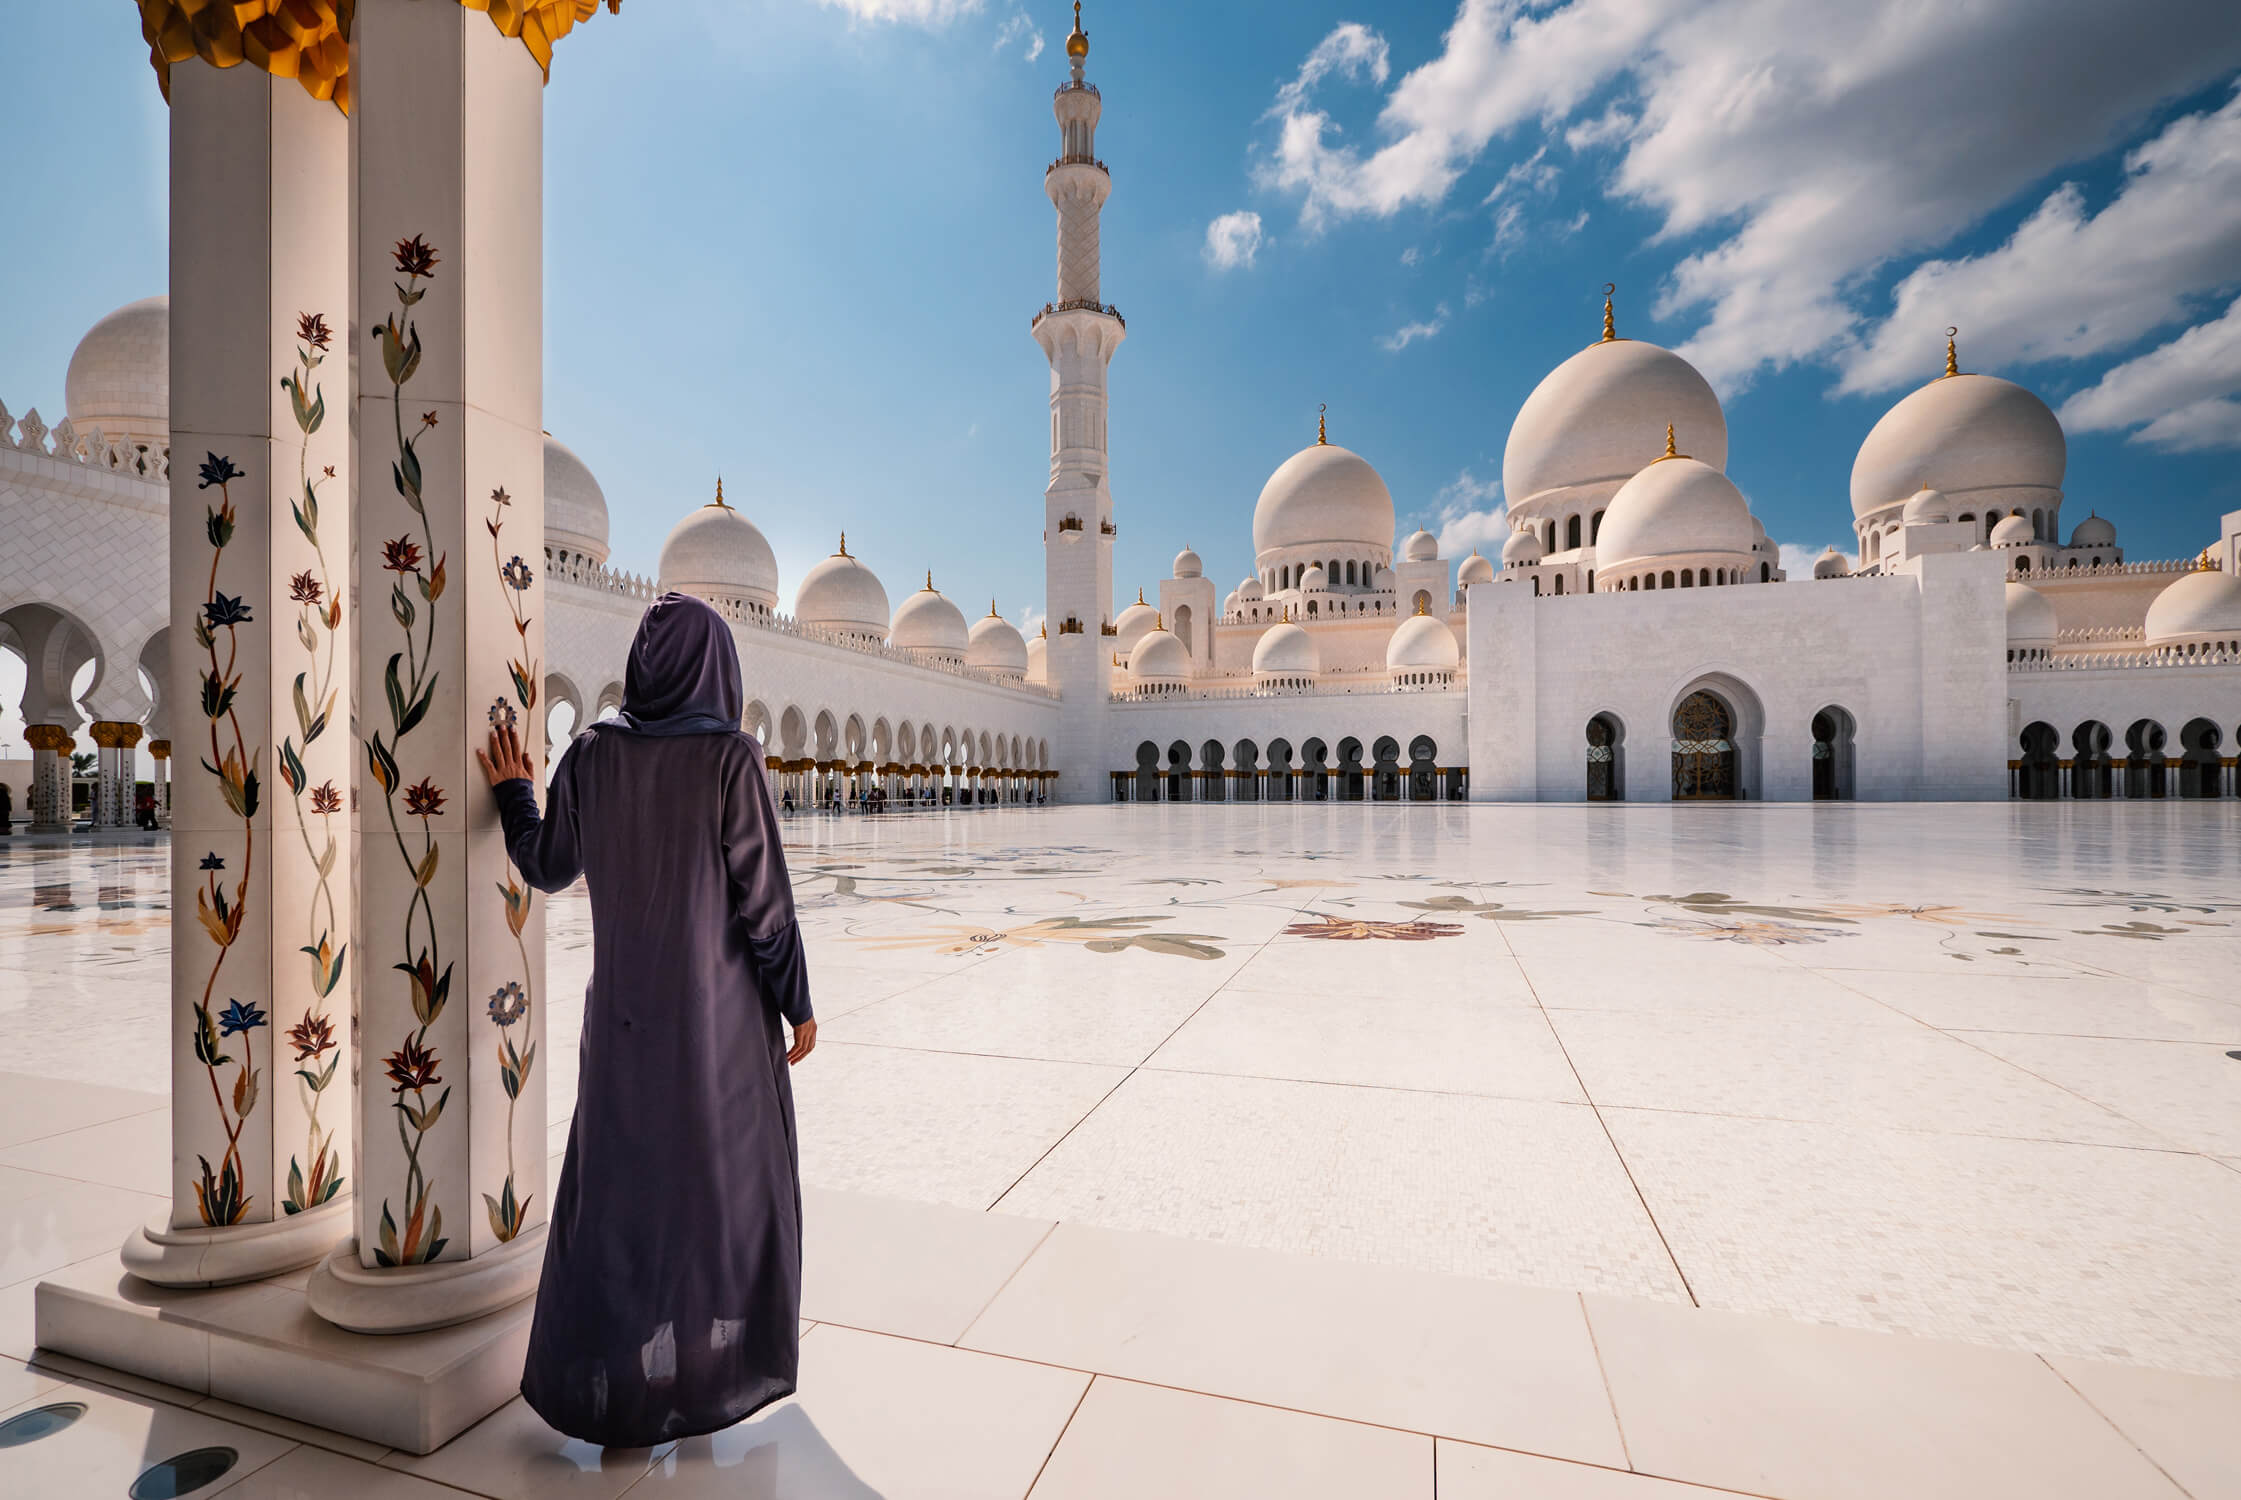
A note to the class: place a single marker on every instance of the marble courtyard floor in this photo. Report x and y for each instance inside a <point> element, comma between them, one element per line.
<point>1358,1149</point>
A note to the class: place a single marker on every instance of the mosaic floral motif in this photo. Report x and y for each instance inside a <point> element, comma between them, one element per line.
<point>221,1195</point>
<point>1758,933</point>
<point>508,1210</point>
<point>2142,901</point>
<point>1493,911</point>
<point>409,686</point>
<point>318,627</point>
<point>1097,934</point>
<point>1358,929</point>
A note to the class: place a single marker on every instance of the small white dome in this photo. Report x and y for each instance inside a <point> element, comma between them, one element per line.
<point>1476,569</point>
<point>1962,434</point>
<point>1830,564</point>
<point>1600,416</point>
<point>1286,650</point>
<point>1229,602</point>
<point>1038,659</point>
<point>2204,605</point>
<point>929,624</point>
<point>1159,657</point>
<point>842,595</point>
<point>1926,507</point>
<point>2094,531</point>
<point>119,378</point>
<point>994,644</point>
<point>717,553</point>
<point>1130,625</point>
<point>1251,589</point>
<point>1522,550</point>
<point>1675,507</point>
<point>1187,564</point>
<point>2030,616</point>
<point>1386,579</point>
<point>1314,580</point>
<point>2015,531</point>
<point>1422,643</point>
<point>1319,495</point>
<point>575,506</point>
<point>1421,547</point>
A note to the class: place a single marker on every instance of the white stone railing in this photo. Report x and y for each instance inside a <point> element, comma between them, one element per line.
<point>2053,574</point>
<point>1367,685</point>
<point>94,449</point>
<point>2160,656</point>
<point>2093,635</point>
<point>598,577</point>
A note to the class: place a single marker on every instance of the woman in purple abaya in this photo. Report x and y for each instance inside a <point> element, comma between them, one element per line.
<point>672,1280</point>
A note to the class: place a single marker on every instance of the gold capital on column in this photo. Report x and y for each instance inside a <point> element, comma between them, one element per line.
<point>540,23</point>
<point>47,737</point>
<point>307,40</point>
<point>110,734</point>
<point>159,749</point>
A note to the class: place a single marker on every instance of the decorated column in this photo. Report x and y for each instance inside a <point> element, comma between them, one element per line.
<point>260,539</point>
<point>448,113</point>
<point>113,779</point>
<point>160,752</point>
<point>50,777</point>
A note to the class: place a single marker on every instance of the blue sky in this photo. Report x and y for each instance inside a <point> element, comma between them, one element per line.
<point>798,243</point>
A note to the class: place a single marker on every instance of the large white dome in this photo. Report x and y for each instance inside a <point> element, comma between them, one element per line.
<point>1421,546</point>
<point>928,623</point>
<point>120,375</point>
<point>718,554</point>
<point>575,506</point>
<point>2204,605</point>
<point>994,644</point>
<point>840,594</point>
<point>1130,625</point>
<point>1322,494</point>
<point>1159,657</point>
<point>1675,507</point>
<point>2030,616</point>
<point>1962,434</point>
<point>1423,643</point>
<point>1286,650</point>
<point>1600,418</point>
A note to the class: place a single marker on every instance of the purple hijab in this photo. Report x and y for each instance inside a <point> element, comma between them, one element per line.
<point>683,676</point>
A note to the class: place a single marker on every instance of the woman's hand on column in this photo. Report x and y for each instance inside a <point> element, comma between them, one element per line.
<point>506,760</point>
<point>805,1042</point>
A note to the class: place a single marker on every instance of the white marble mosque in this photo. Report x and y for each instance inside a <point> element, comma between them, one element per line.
<point>309,634</point>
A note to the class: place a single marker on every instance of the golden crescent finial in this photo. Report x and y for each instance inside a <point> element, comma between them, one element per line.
<point>930,581</point>
<point>1672,450</point>
<point>1610,328</point>
<point>844,544</point>
<point>1322,432</point>
<point>1952,357</point>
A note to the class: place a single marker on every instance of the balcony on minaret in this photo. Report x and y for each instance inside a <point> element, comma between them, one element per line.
<point>1078,304</point>
<point>1077,161</point>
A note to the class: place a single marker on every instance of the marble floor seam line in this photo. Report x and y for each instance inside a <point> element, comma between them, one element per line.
<point>2137,1446</point>
<point>1603,1125</point>
<point>1603,1373</point>
<point>1009,1277</point>
<point>1064,1428</point>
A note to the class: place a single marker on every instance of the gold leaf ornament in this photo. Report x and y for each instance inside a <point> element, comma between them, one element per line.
<point>309,40</point>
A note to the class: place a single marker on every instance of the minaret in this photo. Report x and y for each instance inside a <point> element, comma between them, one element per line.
<point>1079,333</point>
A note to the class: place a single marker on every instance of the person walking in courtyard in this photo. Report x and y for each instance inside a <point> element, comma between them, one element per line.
<point>7,809</point>
<point>672,1280</point>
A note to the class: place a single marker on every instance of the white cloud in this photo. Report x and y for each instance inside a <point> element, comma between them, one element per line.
<point>910,12</point>
<point>1352,50</point>
<point>1408,333</point>
<point>1031,621</point>
<point>2183,391</point>
<point>1017,26</point>
<point>1813,143</point>
<point>2068,284</point>
<point>1233,240</point>
<point>1468,512</point>
<point>1409,257</point>
<point>1798,559</point>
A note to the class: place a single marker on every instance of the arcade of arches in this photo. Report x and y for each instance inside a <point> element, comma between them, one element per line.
<point>1315,770</point>
<point>2093,762</point>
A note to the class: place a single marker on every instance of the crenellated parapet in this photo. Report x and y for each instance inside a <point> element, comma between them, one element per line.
<point>94,449</point>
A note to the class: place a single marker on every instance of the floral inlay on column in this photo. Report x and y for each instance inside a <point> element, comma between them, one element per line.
<point>318,621</point>
<point>511,1002</point>
<point>221,1196</point>
<point>409,684</point>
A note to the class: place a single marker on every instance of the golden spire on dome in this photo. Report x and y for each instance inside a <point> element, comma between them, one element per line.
<point>1159,621</point>
<point>1610,328</point>
<point>1672,449</point>
<point>1952,356</point>
<point>843,552</point>
<point>992,609</point>
<point>1077,44</point>
<point>1322,431</point>
<point>718,502</point>
<point>930,589</point>
<point>1139,593</point>
<point>1421,607</point>
<point>1043,632</point>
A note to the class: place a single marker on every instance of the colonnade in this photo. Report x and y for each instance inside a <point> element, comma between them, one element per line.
<point>814,783</point>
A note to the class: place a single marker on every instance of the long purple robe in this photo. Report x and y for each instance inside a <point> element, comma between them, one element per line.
<point>672,1280</point>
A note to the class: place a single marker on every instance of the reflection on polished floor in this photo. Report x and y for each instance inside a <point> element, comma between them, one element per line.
<point>1295,1150</point>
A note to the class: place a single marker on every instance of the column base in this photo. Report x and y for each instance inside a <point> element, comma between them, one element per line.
<point>205,1257</point>
<point>414,1299</point>
<point>259,1346</point>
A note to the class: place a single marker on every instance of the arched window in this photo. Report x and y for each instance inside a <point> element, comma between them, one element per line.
<point>1703,749</point>
<point>1572,532</point>
<point>1704,577</point>
<point>1665,580</point>
<point>1560,583</point>
<point>1594,527</point>
<point>1536,586</point>
<point>1591,580</point>
<point>1603,752</point>
<point>1766,574</point>
<point>1688,579</point>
